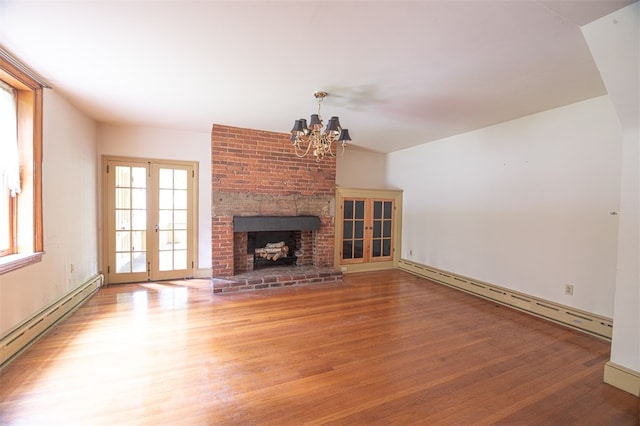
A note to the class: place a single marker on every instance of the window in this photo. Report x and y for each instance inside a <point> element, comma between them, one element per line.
<point>20,165</point>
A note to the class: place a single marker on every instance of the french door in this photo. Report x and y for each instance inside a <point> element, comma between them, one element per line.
<point>149,220</point>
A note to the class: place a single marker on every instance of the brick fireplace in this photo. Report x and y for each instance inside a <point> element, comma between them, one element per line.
<point>256,174</point>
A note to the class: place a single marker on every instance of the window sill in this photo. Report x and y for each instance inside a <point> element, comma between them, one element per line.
<point>17,261</point>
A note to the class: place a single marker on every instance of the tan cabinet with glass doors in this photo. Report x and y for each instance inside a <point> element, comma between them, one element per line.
<point>367,229</point>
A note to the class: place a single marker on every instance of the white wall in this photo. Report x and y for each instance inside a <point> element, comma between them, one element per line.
<point>614,43</point>
<point>69,216</point>
<point>168,144</point>
<point>524,204</point>
<point>359,168</point>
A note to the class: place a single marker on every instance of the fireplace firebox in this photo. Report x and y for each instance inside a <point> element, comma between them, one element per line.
<point>273,248</point>
<point>265,241</point>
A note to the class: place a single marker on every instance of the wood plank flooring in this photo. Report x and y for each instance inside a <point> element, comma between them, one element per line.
<point>379,348</point>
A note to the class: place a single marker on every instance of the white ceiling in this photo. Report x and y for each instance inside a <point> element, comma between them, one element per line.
<point>399,73</point>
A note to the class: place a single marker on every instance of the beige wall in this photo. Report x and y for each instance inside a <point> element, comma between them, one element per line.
<point>69,182</point>
<point>361,169</point>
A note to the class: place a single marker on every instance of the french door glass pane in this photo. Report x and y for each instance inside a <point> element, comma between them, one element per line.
<point>123,198</point>
<point>172,221</point>
<point>166,260</point>
<point>123,219</point>
<point>138,177</point>
<point>139,262</point>
<point>180,199</point>
<point>166,199</point>
<point>180,259</point>
<point>130,219</point>
<point>180,219</point>
<point>180,179</point>
<point>165,178</point>
<point>139,198</point>
<point>139,219</point>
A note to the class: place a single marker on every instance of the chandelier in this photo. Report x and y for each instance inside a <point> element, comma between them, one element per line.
<point>313,139</point>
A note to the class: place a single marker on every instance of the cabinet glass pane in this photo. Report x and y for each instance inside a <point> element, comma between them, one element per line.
<point>377,209</point>
<point>388,209</point>
<point>347,250</point>
<point>359,228</point>
<point>358,249</point>
<point>377,229</point>
<point>386,247</point>
<point>386,232</point>
<point>376,248</point>
<point>347,232</point>
<point>348,209</point>
<point>359,210</point>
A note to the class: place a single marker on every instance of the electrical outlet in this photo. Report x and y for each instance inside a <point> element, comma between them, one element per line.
<point>410,252</point>
<point>568,289</point>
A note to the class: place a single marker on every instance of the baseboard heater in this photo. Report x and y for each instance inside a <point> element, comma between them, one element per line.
<point>29,331</point>
<point>584,321</point>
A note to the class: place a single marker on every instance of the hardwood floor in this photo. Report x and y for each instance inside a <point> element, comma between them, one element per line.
<point>379,348</point>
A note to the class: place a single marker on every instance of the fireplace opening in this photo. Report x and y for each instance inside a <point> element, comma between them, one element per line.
<point>273,248</point>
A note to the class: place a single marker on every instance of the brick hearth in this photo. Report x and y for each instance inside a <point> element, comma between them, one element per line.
<point>276,277</point>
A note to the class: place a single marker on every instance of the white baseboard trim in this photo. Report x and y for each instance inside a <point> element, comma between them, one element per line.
<point>622,378</point>
<point>580,320</point>
<point>29,331</point>
<point>203,273</point>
